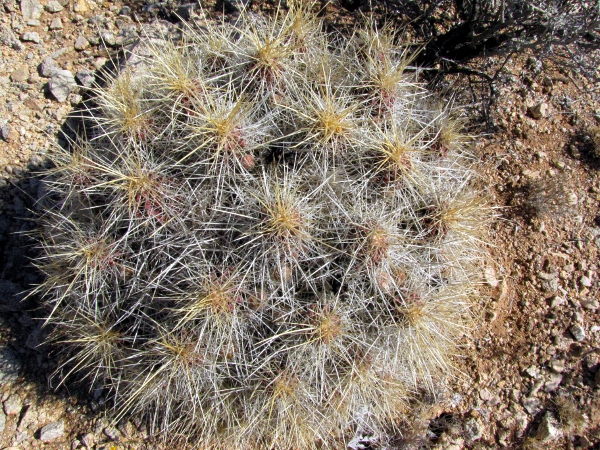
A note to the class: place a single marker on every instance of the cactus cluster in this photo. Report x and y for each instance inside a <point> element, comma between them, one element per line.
<point>269,238</point>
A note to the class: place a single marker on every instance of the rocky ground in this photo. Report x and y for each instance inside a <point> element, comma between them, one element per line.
<point>531,376</point>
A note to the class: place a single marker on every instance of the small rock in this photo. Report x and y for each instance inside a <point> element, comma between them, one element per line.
<point>589,303</point>
<point>535,388</point>
<point>85,77</point>
<point>81,43</point>
<point>585,281</point>
<point>20,74</point>
<point>108,38</point>
<point>538,111</point>
<point>473,429</point>
<point>577,332</point>
<point>13,405</point>
<point>88,440</point>
<point>550,286</point>
<point>61,84</point>
<point>547,430</point>
<point>53,6</point>
<point>532,405</point>
<point>5,131</point>
<point>31,9</point>
<point>533,371</point>
<point>52,431</point>
<point>557,301</point>
<point>125,11</point>
<point>80,6</point>
<point>49,68</point>
<point>112,433</point>
<point>99,62</point>
<point>552,382</point>
<point>557,365</point>
<point>56,24</point>
<point>76,99</point>
<point>31,36</point>
<point>10,365</point>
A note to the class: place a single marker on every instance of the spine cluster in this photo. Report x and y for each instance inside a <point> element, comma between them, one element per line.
<point>270,238</point>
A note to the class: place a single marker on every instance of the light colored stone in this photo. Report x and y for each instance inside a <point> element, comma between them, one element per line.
<point>547,430</point>
<point>539,110</point>
<point>31,9</point>
<point>31,36</point>
<point>473,429</point>
<point>52,431</point>
<point>81,43</point>
<point>48,67</point>
<point>557,365</point>
<point>86,78</point>
<point>13,405</point>
<point>56,24</point>
<point>61,84</point>
<point>81,6</point>
<point>585,281</point>
<point>553,380</point>
<point>53,6</point>
<point>532,405</point>
<point>577,331</point>
<point>490,276</point>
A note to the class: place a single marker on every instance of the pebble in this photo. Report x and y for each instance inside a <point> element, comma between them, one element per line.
<point>473,429</point>
<point>13,405</point>
<point>48,67</point>
<point>80,6</point>
<point>61,84</point>
<point>557,301</point>
<point>539,110</point>
<point>533,371</point>
<point>112,433</point>
<point>10,365</point>
<point>532,405</point>
<point>108,38</point>
<point>53,6</point>
<point>85,77</point>
<point>31,9</point>
<point>547,429</point>
<point>31,36</point>
<point>585,281</point>
<point>577,332</point>
<point>56,24</point>
<point>589,303</point>
<point>557,365</point>
<point>81,43</point>
<point>552,382</point>
<point>52,431</point>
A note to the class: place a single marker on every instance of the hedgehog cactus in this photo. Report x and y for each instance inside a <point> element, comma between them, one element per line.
<point>270,238</point>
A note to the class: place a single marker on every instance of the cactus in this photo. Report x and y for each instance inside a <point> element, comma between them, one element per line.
<point>269,239</point>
